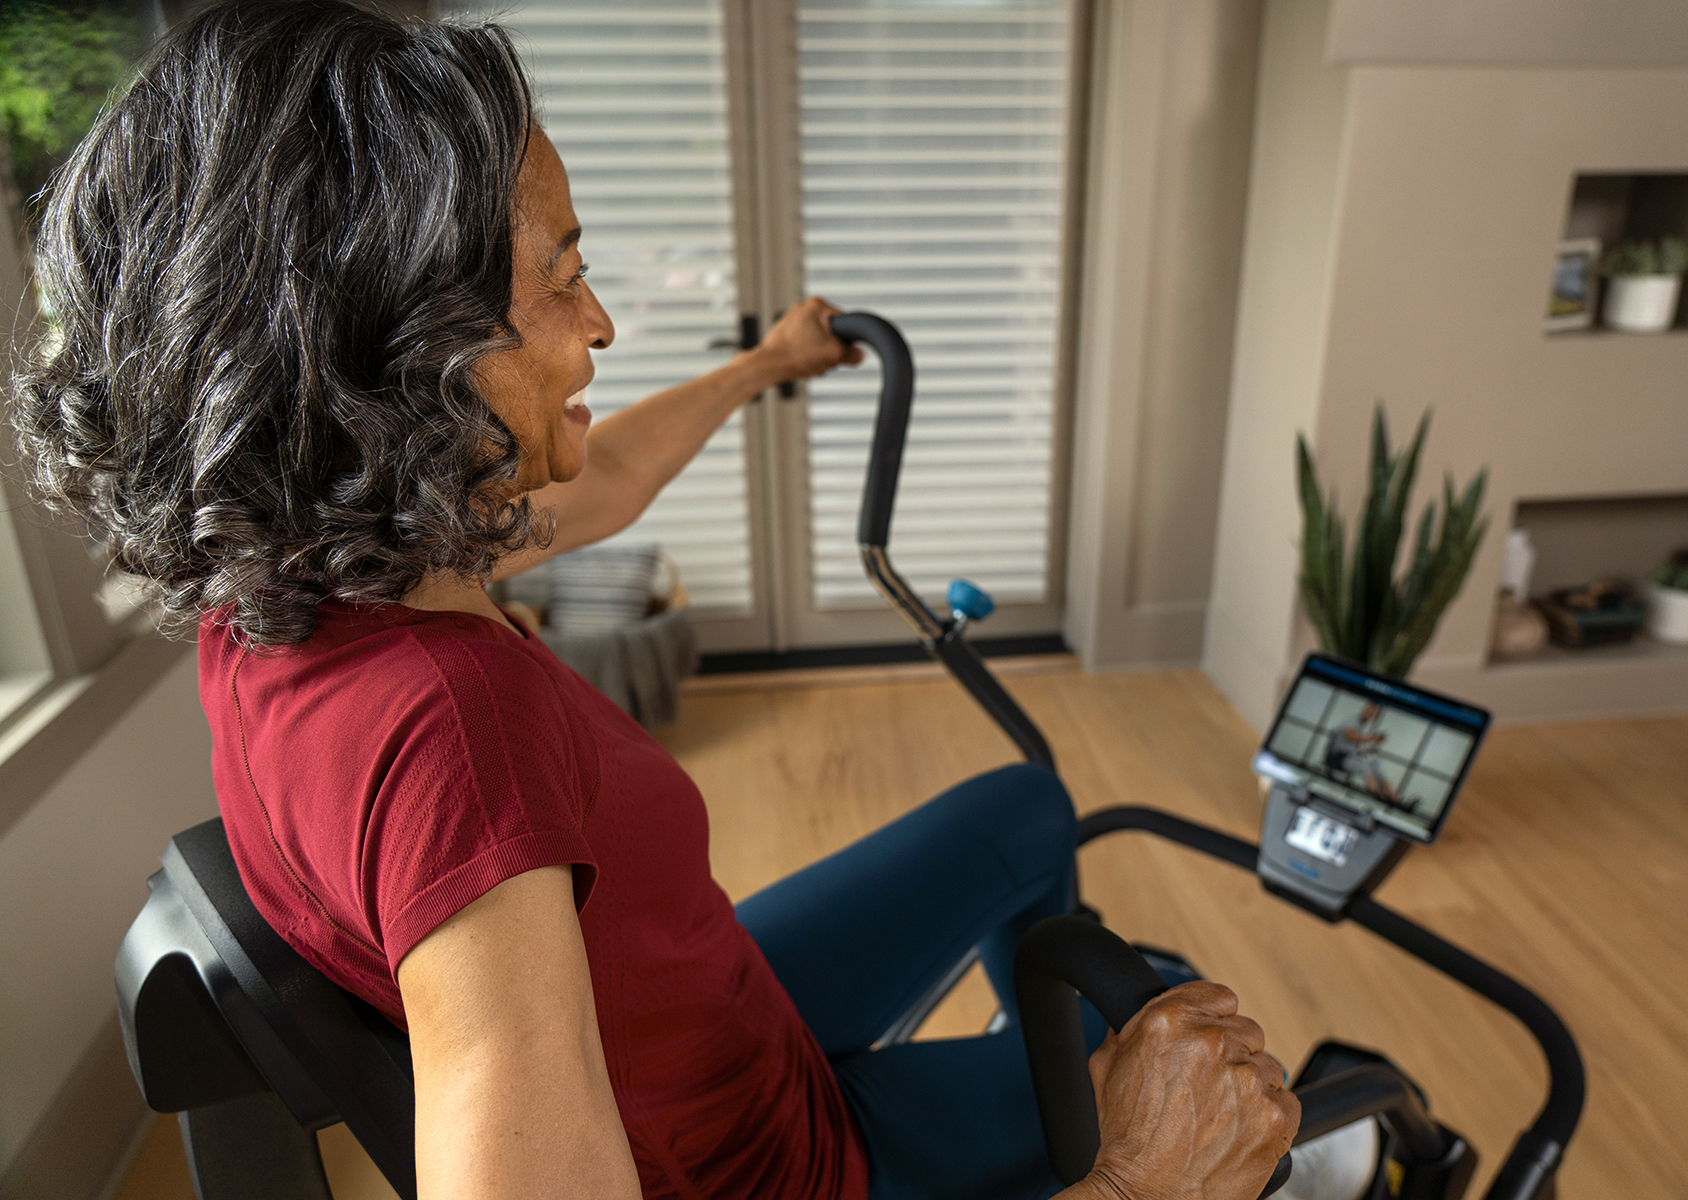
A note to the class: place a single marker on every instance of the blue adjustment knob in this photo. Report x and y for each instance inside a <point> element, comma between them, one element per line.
<point>970,601</point>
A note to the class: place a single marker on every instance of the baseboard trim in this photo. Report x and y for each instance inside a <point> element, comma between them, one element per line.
<point>89,1134</point>
<point>829,657</point>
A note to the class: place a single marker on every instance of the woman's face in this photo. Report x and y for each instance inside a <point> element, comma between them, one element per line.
<point>535,388</point>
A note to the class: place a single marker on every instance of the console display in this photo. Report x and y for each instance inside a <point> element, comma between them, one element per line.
<point>1372,745</point>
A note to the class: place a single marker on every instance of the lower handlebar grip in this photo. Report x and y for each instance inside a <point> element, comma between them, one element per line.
<point>1280,1176</point>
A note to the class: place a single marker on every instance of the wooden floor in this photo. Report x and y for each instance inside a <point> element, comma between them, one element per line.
<point>1565,862</point>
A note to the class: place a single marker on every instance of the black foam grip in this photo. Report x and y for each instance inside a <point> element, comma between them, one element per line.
<point>890,427</point>
<point>1058,960</point>
<point>1056,956</point>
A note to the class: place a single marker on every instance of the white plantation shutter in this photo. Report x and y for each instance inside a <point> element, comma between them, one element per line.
<point>932,134</point>
<point>634,98</point>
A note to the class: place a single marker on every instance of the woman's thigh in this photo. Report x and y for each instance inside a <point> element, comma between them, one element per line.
<point>859,937</point>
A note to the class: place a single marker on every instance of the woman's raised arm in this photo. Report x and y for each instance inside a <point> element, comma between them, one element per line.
<point>513,1100</point>
<point>632,455</point>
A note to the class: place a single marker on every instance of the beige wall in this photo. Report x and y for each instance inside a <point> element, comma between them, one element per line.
<point>1450,197</point>
<point>21,648</point>
<point>1613,32</point>
<point>1456,195</point>
<point>1169,152</point>
<point>1280,345</point>
<point>73,875</point>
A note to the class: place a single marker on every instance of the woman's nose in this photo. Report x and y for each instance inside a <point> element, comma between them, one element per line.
<point>598,321</point>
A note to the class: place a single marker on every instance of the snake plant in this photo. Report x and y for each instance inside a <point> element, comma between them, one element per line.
<point>1357,606</point>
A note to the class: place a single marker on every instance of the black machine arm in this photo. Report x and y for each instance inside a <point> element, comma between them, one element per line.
<point>1534,1157</point>
<point>890,427</point>
<point>941,637</point>
<point>1062,958</point>
<point>1527,1173</point>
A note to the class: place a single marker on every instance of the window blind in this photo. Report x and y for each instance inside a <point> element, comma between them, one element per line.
<point>634,98</point>
<point>931,174</point>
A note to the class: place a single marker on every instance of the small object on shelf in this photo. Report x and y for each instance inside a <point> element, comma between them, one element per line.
<point>1520,629</point>
<point>1667,599</point>
<point>1601,613</point>
<point>1570,305</point>
<point>1644,285</point>
<point>1518,562</point>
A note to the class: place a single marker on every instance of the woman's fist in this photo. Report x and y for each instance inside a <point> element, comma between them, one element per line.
<point>1191,1105</point>
<point>800,344</point>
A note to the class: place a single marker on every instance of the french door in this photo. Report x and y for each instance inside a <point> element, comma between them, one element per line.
<point>913,157</point>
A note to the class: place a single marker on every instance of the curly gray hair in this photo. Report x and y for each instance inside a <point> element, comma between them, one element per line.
<point>274,264</point>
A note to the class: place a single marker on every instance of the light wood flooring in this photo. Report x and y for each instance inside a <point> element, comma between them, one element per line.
<point>1565,863</point>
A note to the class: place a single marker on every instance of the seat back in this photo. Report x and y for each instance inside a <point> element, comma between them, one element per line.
<point>217,1010</point>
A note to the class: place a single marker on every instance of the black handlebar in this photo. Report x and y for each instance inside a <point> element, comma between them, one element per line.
<point>1529,1168</point>
<point>942,638</point>
<point>890,428</point>
<point>1057,956</point>
<point>1535,1156</point>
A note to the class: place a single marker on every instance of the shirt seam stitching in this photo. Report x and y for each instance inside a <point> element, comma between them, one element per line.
<point>269,825</point>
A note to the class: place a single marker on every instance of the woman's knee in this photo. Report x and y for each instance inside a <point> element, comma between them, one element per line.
<point>1024,809</point>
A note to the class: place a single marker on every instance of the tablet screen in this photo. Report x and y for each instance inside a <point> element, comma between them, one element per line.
<point>1373,744</point>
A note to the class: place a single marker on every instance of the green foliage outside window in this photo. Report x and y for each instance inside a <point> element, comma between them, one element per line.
<point>59,62</point>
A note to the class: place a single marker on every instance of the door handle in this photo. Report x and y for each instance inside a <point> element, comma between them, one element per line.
<point>750,334</point>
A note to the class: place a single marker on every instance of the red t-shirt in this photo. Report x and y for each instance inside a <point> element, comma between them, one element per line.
<point>401,763</point>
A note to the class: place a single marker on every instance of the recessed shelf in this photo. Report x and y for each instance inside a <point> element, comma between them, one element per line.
<point>1598,334</point>
<point>1640,651</point>
<point>1580,540</point>
<point>1612,207</point>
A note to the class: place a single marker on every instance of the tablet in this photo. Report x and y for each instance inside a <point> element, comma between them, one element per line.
<point>1373,745</point>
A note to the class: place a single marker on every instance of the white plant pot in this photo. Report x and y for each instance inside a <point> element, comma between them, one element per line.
<point>1667,613</point>
<point>1642,303</point>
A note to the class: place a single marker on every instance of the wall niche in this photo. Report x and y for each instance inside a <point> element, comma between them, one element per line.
<point>1605,210</point>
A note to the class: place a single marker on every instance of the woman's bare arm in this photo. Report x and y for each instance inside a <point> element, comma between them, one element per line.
<point>513,1099</point>
<point>632,455</point>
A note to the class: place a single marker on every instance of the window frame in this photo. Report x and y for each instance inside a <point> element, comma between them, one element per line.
<point>76,669</point>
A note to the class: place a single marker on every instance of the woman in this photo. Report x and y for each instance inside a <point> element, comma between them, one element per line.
<point>323,329</point>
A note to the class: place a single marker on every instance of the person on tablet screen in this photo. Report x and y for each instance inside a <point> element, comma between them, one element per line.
<point>1354,752</point>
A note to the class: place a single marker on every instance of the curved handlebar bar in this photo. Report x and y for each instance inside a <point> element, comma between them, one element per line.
<point>942,639</point>
<point>1058,955</point>
<point>890,428</point>
<point>1529,1168</point>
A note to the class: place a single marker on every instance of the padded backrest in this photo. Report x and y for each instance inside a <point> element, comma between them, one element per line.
<point>215,1005</point>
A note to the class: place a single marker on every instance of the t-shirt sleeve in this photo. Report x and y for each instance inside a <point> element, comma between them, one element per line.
<point>490,774</point>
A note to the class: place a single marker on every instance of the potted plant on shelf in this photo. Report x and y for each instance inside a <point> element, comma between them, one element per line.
<point>1358,608</point>
<point>1643,284</point>
<point>1667,599</point>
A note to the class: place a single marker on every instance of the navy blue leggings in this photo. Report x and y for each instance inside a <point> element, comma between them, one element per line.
<point>860,937</point>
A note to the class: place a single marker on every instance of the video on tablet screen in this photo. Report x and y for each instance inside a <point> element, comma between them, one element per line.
<point>1387,750</point>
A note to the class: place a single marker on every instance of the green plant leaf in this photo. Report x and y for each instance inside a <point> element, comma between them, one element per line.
<point>1462,533</point>
<point>1367,614</point>
<point>1321,552</point>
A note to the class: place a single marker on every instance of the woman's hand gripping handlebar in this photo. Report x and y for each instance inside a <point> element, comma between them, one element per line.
<point>1190,1104</point>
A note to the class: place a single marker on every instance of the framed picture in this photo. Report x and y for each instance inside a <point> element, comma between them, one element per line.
<point>1576,274</point>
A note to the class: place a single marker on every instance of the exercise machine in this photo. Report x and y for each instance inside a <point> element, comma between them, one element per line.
<point>254,1049</point>
<point>1360,767</point>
